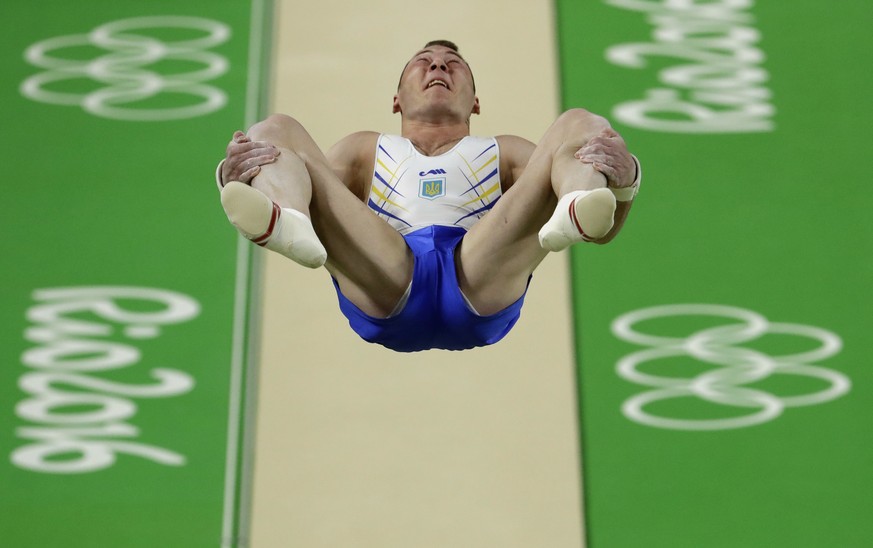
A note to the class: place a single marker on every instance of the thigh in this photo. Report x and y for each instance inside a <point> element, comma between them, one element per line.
<point>500,252</point>
<point>368,258</point>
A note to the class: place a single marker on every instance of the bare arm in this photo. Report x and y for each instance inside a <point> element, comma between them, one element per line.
<point>352,158</point>
<point>514,155</point>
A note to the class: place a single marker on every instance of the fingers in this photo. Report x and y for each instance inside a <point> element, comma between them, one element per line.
<point>244,144</point>
<point>618,173</point>
<point>607,147</point>
<point>607,170</point>
<point>260,160</point>
<point>247,168</point>
<point>596,152</point>
<point>607,153</point>
<point>607,138</point>
<point>241,143</point>
<point>249,174</point>
<point>250,148</point>
<point>245,157</point>
<point>594,146</point>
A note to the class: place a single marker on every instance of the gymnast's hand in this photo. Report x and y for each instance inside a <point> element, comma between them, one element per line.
<point>608,154</point>
<point>244,158</point>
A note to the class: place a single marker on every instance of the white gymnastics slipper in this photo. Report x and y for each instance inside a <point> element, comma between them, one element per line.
<point>283,230</point>
<point>581,216</point>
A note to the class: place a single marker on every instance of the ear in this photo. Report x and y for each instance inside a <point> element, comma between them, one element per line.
<point>476,109</point>
<point>395,108</point>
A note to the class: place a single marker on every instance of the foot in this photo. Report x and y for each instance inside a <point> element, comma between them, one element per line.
<point>282,230</point>
<point>581,216</point>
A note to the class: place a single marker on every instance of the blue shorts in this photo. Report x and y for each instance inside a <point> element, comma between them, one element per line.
<point>436,315</point>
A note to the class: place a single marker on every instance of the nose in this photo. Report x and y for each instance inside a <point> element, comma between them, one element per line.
<point>439,64</point>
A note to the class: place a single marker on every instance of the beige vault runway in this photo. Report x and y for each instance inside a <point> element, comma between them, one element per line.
<point>358,446</point>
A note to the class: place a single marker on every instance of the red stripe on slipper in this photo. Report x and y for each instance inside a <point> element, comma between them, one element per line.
<point>262,239</point>
<point>576,221</point>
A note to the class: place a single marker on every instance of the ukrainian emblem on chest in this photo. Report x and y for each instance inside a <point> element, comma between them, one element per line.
<point>432,188</point>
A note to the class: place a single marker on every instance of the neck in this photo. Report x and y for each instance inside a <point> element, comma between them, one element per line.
<point>434,139</point>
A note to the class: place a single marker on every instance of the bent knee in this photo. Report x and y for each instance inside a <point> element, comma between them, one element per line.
<point>275,128</point>
<point>579,118</point>
<point>582,116</point>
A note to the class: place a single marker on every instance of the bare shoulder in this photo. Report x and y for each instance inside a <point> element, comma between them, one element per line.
<point>351,158</point>
<point>513,145</point>
<point>352,147</point>
<point>515,152</point>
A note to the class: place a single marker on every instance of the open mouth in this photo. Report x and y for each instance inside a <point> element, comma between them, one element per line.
<point>436,83</point>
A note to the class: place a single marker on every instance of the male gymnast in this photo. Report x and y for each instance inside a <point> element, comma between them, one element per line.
<point>431,237</point>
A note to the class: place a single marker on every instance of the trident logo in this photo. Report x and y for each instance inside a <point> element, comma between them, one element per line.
<point>432,189</point>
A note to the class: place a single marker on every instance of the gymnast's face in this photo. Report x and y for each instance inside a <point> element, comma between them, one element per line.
<point>436,84</point>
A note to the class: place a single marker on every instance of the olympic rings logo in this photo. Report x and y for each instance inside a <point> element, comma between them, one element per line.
<point>123,69</point>
<point>734,368</point>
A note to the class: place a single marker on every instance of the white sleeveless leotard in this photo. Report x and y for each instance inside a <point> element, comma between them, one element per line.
<point>412,191</point>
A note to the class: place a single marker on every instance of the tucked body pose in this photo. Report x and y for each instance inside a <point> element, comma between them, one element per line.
<point>431,237</point>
